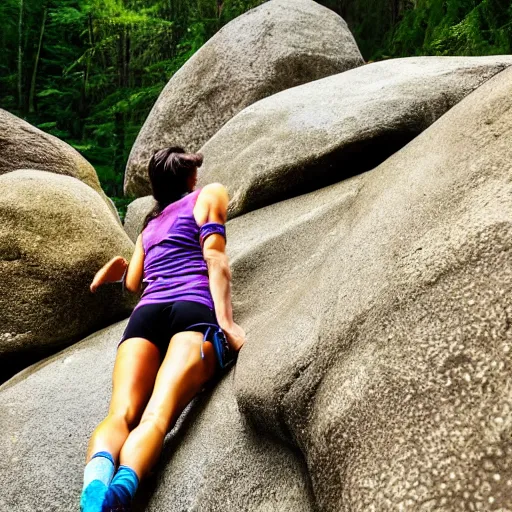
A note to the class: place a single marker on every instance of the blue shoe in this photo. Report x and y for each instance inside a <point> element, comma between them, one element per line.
<point>93,497</point>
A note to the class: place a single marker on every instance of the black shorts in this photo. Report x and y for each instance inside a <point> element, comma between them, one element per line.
<point>158,323</point>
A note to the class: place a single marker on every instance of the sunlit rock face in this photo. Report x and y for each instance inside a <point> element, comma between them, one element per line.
<point>55,233</point>
<point>322,132</point>
<point>23,146</point>
<point>278,45</point>
<point>136,214</point>
<point>378,318</point>
<point>211,461</point>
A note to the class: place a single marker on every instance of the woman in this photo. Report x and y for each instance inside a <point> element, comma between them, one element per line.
<point>159,365</point>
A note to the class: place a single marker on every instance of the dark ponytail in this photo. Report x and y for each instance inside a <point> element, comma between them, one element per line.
<point>169,171</point>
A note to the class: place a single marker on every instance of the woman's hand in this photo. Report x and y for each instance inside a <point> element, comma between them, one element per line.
<point>235,336</point>
<point>111,272</point>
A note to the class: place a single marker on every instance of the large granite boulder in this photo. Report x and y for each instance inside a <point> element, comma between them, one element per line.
<point>320,133</point>
<point>23,146</point>
<point>378,316</point>
<point>136,214</point>
<point>280,44</point>
<point>55,233</point>
<point>211,461</point>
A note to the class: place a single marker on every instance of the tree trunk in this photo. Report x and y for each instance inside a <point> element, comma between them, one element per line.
<point>91,45</point>
<point>119,58</point>
<point>127,42</point>
<point>119,139</point>
<point>20,59</point>
<point>83,106</point>
<point>31,107</point>
<point>122,58</point>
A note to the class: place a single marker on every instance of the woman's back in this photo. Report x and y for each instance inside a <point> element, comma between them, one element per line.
<point>174,267</point>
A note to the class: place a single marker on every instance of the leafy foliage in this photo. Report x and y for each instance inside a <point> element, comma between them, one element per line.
<point>403,28</point>
<point>100,68</point>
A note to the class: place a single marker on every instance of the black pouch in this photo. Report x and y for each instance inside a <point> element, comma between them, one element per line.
<point>225,355</point>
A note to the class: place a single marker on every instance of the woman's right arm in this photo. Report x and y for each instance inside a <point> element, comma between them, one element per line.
<point>212,207</point>
<point>219,275</point>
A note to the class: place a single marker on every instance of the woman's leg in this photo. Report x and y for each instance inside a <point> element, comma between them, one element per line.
<point>135,369</point>
<point>181,376</point>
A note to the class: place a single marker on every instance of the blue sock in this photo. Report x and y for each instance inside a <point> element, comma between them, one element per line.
<point>98,474</point>
<point>122,488</point>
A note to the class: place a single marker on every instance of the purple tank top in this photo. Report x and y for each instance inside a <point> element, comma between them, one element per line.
<point>174,267</point>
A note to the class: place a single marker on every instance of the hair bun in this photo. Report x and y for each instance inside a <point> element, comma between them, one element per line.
<point>191,160</point>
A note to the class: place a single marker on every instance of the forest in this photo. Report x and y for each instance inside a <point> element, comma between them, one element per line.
<point>89,71</point>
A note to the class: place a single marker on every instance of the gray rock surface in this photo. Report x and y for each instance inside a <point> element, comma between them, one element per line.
<point>23,146</point>
<point>135,215</point>
<point>378,318</point>
<point>212,461</point>
<point>323,132</point>
<point>277,45</point>
<point>55,233</point>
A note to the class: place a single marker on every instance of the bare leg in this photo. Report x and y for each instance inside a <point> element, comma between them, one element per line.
<point>181,376</point>
<point>110,272</point>
<point>135,369</point>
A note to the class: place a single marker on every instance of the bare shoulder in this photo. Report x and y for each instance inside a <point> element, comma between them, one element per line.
<point>212,204</point>
<point>215,190</point>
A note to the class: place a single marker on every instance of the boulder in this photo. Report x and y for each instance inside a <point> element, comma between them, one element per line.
<point>136,214</point>
<point>211,460</point>
<point>55,233</point>
<point>320,133</point>
<point>378,319</point>
<point>277,45</point>
<point>23,146</point>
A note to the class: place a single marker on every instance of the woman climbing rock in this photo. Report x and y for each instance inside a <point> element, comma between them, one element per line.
<point>166,355</point>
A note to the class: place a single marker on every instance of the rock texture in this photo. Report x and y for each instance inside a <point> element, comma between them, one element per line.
<point>325,131</point>
<point>55,233</point>
<point>48,412</point>
<point>280,44</point>
<point>378,316</point>
<point>135,215</point>
<point>378,319</point>
<point>23,146</point>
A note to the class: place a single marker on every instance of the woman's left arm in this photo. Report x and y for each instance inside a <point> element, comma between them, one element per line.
<point>118,268</point>
<point>135,269</point>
